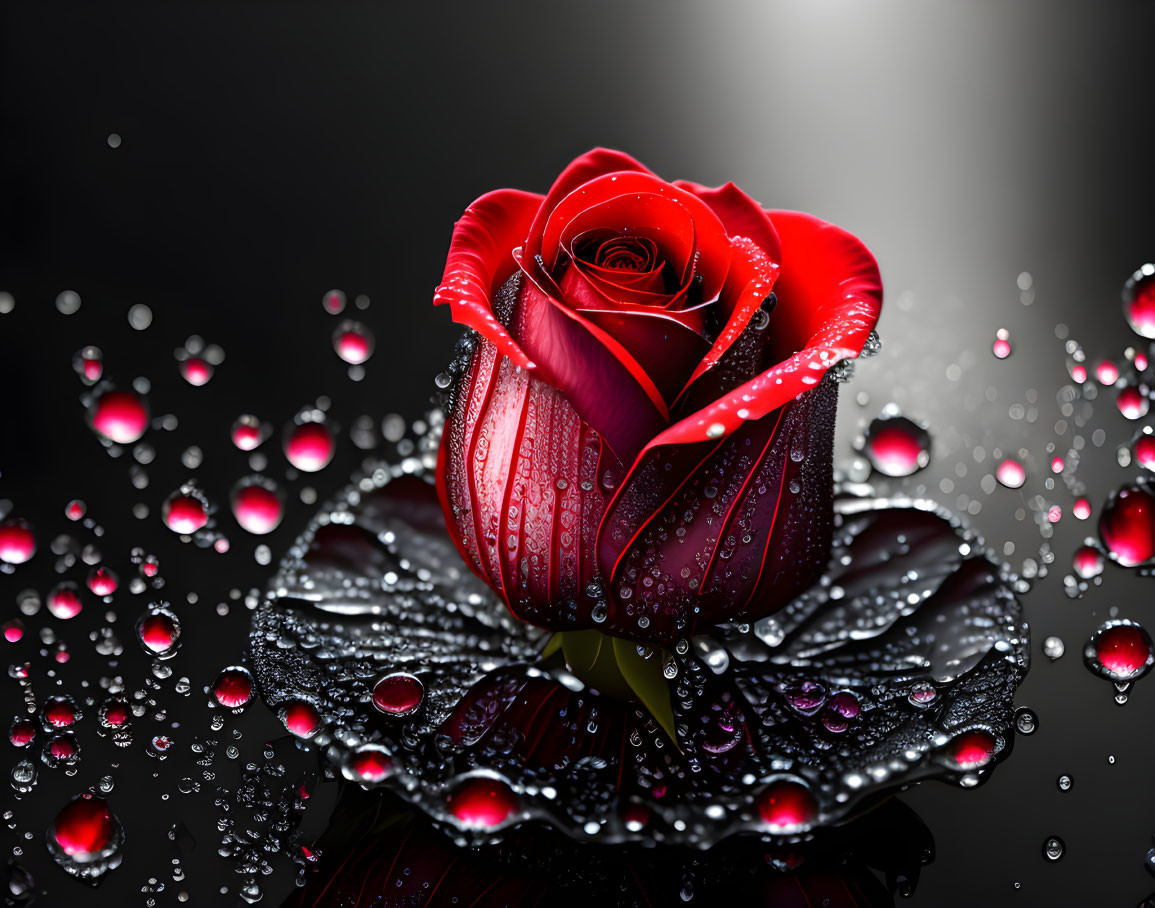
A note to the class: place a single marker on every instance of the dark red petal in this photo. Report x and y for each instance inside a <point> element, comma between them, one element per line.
<point>829,299</point>
<point>591,165</point>
<point>605,384</point>
<point>751,279</point>
<point>480,260</point>
<point>740,214</point>
<point>710,240</point>
<point>518,478</point>
<point>662,343</point>
<point>715,531</point>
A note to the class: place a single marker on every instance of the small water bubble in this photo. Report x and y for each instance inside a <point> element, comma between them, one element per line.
<point>68,302</point>
<point>139,316</point>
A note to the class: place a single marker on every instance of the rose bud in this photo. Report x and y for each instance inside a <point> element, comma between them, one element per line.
<point>640,440</point>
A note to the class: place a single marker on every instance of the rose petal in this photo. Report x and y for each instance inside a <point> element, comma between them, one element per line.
<point>518,478</point>
<point>480,260</point>
<point>740,215</point>
<point>700,534</point>
<point>606,385</point>
<point>591,165</point>
<point>830,297</point>
<point>712,246</point>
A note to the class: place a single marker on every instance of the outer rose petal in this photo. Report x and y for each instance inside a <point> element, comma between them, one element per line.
<point>715,531</point>
<point>480,260</point>
<point>518,477</point>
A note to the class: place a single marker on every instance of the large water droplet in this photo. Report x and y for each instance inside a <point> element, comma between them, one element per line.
<point>309,446</point>
<point>257,507</point>
<point>398,694</point>
<point>1119,651</point>
<point>1139,301</point>
<point>786,805</point>
<point>119,416</point>
<point>481,802</point>
<point>17,541</point>
<point>85,838</point>
<point>1127,526</point>
<point>897,446</point>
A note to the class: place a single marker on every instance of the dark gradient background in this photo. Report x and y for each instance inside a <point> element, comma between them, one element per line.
<point>272,151</point>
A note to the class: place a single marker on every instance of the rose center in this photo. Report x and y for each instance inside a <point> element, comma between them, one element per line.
<point>627,253</point>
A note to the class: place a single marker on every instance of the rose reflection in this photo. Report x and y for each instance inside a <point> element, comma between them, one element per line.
<point>900,664</point>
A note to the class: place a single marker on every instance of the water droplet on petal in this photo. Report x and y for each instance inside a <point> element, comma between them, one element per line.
<point>398,694</point>
<point>972,749</point>
<point>301,718</point>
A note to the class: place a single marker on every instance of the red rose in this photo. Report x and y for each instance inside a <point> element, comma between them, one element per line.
<point>640,439</point>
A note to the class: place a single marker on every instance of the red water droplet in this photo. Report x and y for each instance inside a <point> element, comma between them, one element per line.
<point>14,630</point>
<point>1011,474</point>
<point>897,446</point>
<point>89,364</point>
<point>1082,508</point>
<point>101,581</point>
<point>1088,562</point>
<point>1002,345</point>
<point>84,827</point>
<point>309,447</point>
<point>1144,451</point>
<point>1133,403</point>
<point>64,601</point>
<point>62,656</point>
<point>158,632</point>
<point>1079,373</point>
<point>196,371</point>
<point>1127,526</point>
<point>973,749</point>
<point>353,342</point>
<point>184,514</point>
<point>370,764</point>
<point>63,747</point>
<point>784,805</point>
<point>120,416</point>
<point>482,802</point>
<point>114,713</point>
<point>334,302</point>
<point>59,712</point>
<point>1056,465</point>
<point>233,687</point>
<point>150,566</point>
<point>301,718</point>
<point>921,694</point>
<point>22,732</point>
<point>1107,372</point>
<point>257,509</point>
<point>1139,301</point>
<point>1141,362</point>
<point>75,509</point>
<point>398,694</point>
<point>1120,650</point>
<point>17,541</point>
<point>248,433</point>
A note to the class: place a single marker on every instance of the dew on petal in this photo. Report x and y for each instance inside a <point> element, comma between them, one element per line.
<point>481,802</point>
<point>785,805</point>
<point>398,694</point>
<point>972,749</point>
<point>301,718</point>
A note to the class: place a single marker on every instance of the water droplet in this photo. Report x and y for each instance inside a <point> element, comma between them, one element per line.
<point>368,764</point>
<point>257,507</point>
<point>1064,782</point>
<point>972,749</point>
<point>1053,648</point>
<point>60,712</point>
<point>481,802</point>
<point>1127,526</point>
<point>233,688</point>
<point>119,416</point>
<point>301,718</point>
<point>1053,848</point>
<point>158,631</point>
<point>196,371</point>
<point>1144,451</point>
<point>398,694</point>
<point>353,342</point>
<point>64,601</point>
<point>1139,301</point>
<point>1088,562</point>
<point>786,805</point>
<point>333,302</point>
<point>1107,373</point>
<point>101,581</point>
<point>139,316</point>
<point>1002,345</point>
<point>68,302</point>
<point>85,837</point>
<point>1011,474</point>
<point>248,432</point>
<point>185,512</point>
<point>1119,651</point>
<point>896,446</point>
<point>89,364</point>
<point>1026,722</point>
<point>1081,509</point>
<point>1133,402</point>
<point>17,541</point>
<point>309,446</point>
